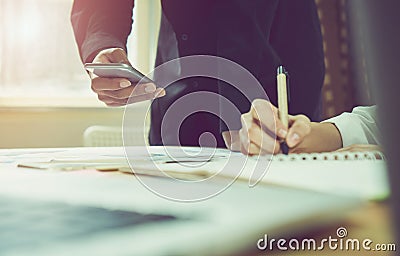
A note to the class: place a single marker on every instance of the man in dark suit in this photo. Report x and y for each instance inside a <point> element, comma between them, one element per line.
<point>259,35</point>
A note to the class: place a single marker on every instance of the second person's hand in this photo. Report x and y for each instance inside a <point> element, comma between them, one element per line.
<point>120,91</point>
<point>262,130</point>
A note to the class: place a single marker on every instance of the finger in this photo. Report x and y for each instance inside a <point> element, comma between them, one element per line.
<point>232,140</point>
<point>263,140</point>
<point>101,83</point>
<point>248,147</point>
<point>243,149</point>
<point>255,134</point>
<point>227,139</point>
<point>130,91</point>
<point>144,88</point>
<point>102,57</point>
<point>160,92</point>
<point>300,127</point>
<point>116,104</point>
<point>235,140</point>
<point>267,115</point>
<point>111,101</point>
<point>254,150</point>
<point>122,94</point>
<point>140,89</point>
<point>246,120</point>
<point>118,55</point>
<point>251,149</point>
<point>244,141</point>
<point>111,55</point>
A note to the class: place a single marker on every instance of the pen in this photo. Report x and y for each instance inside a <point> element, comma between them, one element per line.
<point>281,78</point>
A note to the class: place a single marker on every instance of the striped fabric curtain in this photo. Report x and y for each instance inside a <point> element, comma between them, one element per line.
<point>346,84</point>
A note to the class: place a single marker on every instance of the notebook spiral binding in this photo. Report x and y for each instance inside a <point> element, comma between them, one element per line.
<point>331,156</point>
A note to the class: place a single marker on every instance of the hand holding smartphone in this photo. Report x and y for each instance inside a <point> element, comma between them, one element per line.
<point>117,70</point>
<point>117,83</point>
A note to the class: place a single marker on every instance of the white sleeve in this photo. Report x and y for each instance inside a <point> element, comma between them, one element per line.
<point>358,127</point>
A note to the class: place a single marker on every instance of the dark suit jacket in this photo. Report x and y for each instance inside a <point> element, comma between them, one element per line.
<point>260,35</point>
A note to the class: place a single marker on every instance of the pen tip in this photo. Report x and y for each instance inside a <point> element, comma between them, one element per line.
<point>281,70</point>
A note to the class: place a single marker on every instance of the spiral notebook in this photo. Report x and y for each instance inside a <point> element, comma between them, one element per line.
<point>356,174</point>
<point>360,174</point>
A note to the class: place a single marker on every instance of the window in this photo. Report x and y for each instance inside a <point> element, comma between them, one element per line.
<point>39,57</point>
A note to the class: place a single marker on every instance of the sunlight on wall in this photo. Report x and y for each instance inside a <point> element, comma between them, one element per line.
<point>45,96</point>
<point>38,53</point>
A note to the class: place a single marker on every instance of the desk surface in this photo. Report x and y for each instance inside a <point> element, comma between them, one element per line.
<point>373,221</point>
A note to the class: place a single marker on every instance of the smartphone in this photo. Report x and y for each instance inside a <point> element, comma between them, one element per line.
<point>117,70</point>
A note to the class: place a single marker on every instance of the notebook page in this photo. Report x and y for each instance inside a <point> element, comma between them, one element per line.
<point>355,174</point>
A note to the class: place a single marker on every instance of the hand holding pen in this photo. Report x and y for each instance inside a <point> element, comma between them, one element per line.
<point>267,129</point>
<point>262,131</point>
